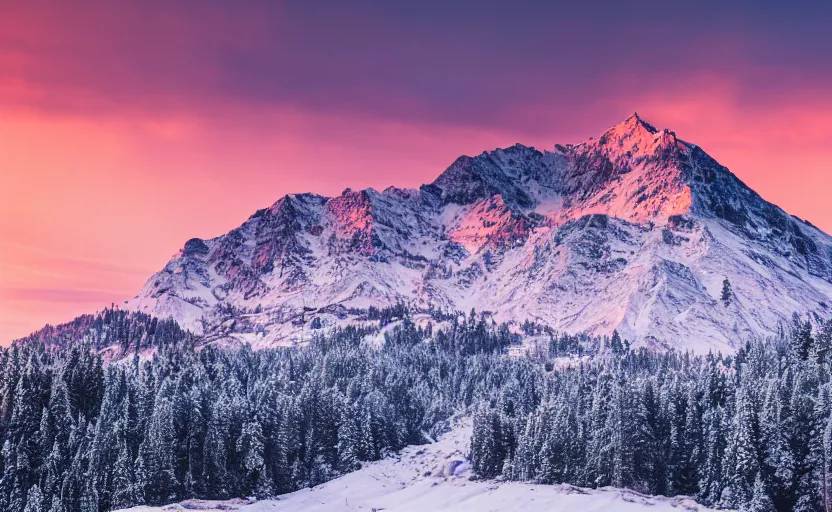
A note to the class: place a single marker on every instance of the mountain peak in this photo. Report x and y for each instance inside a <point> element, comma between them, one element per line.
<point>635,137</point>
<point>634,124</point>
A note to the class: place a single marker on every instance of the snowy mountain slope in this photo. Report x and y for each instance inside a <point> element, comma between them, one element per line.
<point>635,230</point>
<point>423,478</point>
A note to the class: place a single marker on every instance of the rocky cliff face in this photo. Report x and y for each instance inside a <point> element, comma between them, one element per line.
<point>635,230</point>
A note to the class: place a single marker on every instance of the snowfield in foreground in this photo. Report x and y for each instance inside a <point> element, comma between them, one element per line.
<point>417,480</point>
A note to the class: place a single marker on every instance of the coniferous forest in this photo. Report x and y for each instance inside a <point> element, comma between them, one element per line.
<point>169,420</point>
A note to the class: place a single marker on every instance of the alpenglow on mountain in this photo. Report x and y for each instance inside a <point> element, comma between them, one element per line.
<point>636,230</point>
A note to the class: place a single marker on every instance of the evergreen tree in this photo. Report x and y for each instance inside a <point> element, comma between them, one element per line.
<point>727,295</point>
<point>250,448</point>
<point>349,439</point>
<point>34,501</point>
<point>616,344</point>
<point>760,500</point>
<point>801,340</point>
<point>742,459</point>
<point>124,481</point>
<point>56,505</point>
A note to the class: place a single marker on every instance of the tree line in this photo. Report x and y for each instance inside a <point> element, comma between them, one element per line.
<point>169,420</point>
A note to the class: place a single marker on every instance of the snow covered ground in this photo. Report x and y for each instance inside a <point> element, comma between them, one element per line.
<point>428,479</point>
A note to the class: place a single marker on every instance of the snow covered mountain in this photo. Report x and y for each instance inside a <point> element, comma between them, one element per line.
<point>635,230</point>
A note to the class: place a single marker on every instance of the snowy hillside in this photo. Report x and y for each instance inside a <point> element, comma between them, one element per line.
<point>635,231</point>
<point>425,478</point>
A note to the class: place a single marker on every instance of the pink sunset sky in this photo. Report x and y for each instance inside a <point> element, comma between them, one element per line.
<point>127,128</point>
